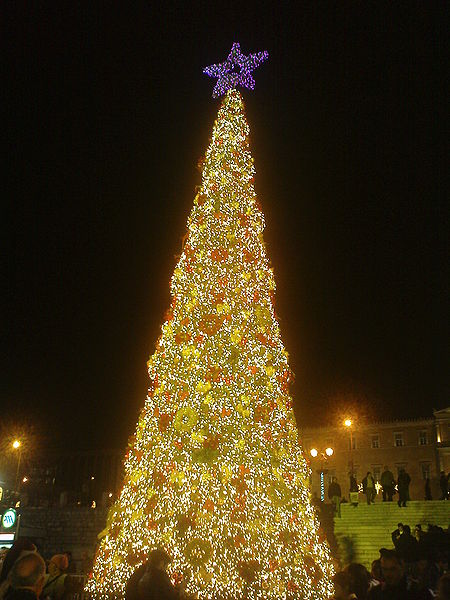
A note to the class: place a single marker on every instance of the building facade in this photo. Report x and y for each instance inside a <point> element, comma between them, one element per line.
<point>420,446</point>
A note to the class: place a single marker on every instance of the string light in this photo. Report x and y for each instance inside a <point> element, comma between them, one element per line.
<point>236,70</point>
<point>215,473</point>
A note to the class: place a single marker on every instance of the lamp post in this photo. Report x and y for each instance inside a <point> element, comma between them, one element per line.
<point>349,423</point>
<point>323,455</point>
<point>17,445</point>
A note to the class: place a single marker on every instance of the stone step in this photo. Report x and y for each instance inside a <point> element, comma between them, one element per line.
<point>368,528</point>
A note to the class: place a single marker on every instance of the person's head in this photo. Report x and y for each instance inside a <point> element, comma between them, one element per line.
<point>159,559</point>
<point>359,580</point>
<point>400,527</point>
<point>28,572</point>
<point>443,589</point>
<point>58,564</point>
<point>19,546</point>
<point>442,473</point>
<point>368,473</point>
<point>341,582</point>
<point>68,553</point>
<point>375,570</point>
<point>407,529</point>
<point>386,468</point>
<point>392,566</point>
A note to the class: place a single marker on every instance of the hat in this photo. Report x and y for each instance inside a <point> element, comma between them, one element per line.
<point>61,561</point>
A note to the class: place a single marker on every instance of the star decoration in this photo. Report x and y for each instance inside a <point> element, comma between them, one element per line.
<point>236,70</point>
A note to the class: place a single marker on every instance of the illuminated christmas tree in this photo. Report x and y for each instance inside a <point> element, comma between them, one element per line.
<point>215,473</point>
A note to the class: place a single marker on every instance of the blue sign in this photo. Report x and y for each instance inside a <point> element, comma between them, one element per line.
<point>9,518</point>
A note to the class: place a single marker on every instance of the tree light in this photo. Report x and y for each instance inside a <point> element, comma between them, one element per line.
<point>16,444</point>
<point>313,452</point>
<point>215,474</point>
<point>25,479</point>
<point>329,451</point>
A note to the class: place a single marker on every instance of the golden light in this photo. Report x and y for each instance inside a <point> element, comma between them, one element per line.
<point>329,451</point>
<point>348,422</point>
<point>16,444</point>
<point>219,369</point>
<point>25,479</point>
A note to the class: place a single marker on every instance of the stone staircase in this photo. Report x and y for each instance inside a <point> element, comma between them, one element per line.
<point>363,530</point>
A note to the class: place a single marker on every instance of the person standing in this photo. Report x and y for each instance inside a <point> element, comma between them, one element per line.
<point>353,490</point>
<point>335,494</point>
<point>403,482</point>
<point>27,577</point>
<point>443,484</point>
<point>369,487</point>
<point>388,482</point>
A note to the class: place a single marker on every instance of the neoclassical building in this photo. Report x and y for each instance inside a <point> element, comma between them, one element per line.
<point>420,446</point>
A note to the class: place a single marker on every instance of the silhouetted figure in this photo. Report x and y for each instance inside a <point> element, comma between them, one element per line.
<point>27,577</point>
<point>368,484</point>
<point>152,581</point>
<point>359,580</point>
<point>407,546</point>
<point>395,535</point>
<point>403,487</point>
<point>396,585</point>
<point>388,482</point>
<point>334,494</point>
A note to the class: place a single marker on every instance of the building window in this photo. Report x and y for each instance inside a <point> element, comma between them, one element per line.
<point>426,470</point>
<point>398,439</point>
<point>375,443</point>
<point>423,438</point>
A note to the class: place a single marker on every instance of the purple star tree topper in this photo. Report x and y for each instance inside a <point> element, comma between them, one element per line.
<point>236,70</point>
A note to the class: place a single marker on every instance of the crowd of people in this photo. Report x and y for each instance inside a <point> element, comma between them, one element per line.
<point>389,487</point>
<point>25,575</point>
<point>415,569</point>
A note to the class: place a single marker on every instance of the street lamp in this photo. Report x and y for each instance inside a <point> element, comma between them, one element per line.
<point>348,423</point>
<point>324,455</point>
<point>17,444</point>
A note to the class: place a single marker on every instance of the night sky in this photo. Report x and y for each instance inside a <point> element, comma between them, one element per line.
<point>107,114</point>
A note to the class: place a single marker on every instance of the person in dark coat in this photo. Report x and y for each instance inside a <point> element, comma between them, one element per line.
<point>334,494</point>
<point>368,484</point>
<point>403,487</point>
<point>443,484</point>
<point>152,581</point>
<point>407,546</point>
<point>396,585</point>
<point>388,482</point>
<point>27,578</point>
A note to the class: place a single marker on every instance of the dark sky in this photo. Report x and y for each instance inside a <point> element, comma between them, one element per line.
<point>107,113</point>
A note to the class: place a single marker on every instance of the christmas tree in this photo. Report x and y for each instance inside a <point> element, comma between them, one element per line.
<point>215,473</point>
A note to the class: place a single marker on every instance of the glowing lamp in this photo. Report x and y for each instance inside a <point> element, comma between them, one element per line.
<point>348,422</point>
<point>329,451</point>
<point>314,452</point>
<point>16,444</point>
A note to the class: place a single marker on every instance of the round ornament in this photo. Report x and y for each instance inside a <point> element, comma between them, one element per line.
<point>198,552</point>
<point>185,419</point>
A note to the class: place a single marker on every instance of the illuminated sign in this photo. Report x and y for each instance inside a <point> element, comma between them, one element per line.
<point>9,518</point>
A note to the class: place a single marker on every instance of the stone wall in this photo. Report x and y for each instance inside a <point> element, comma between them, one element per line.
<point>56,530</point>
